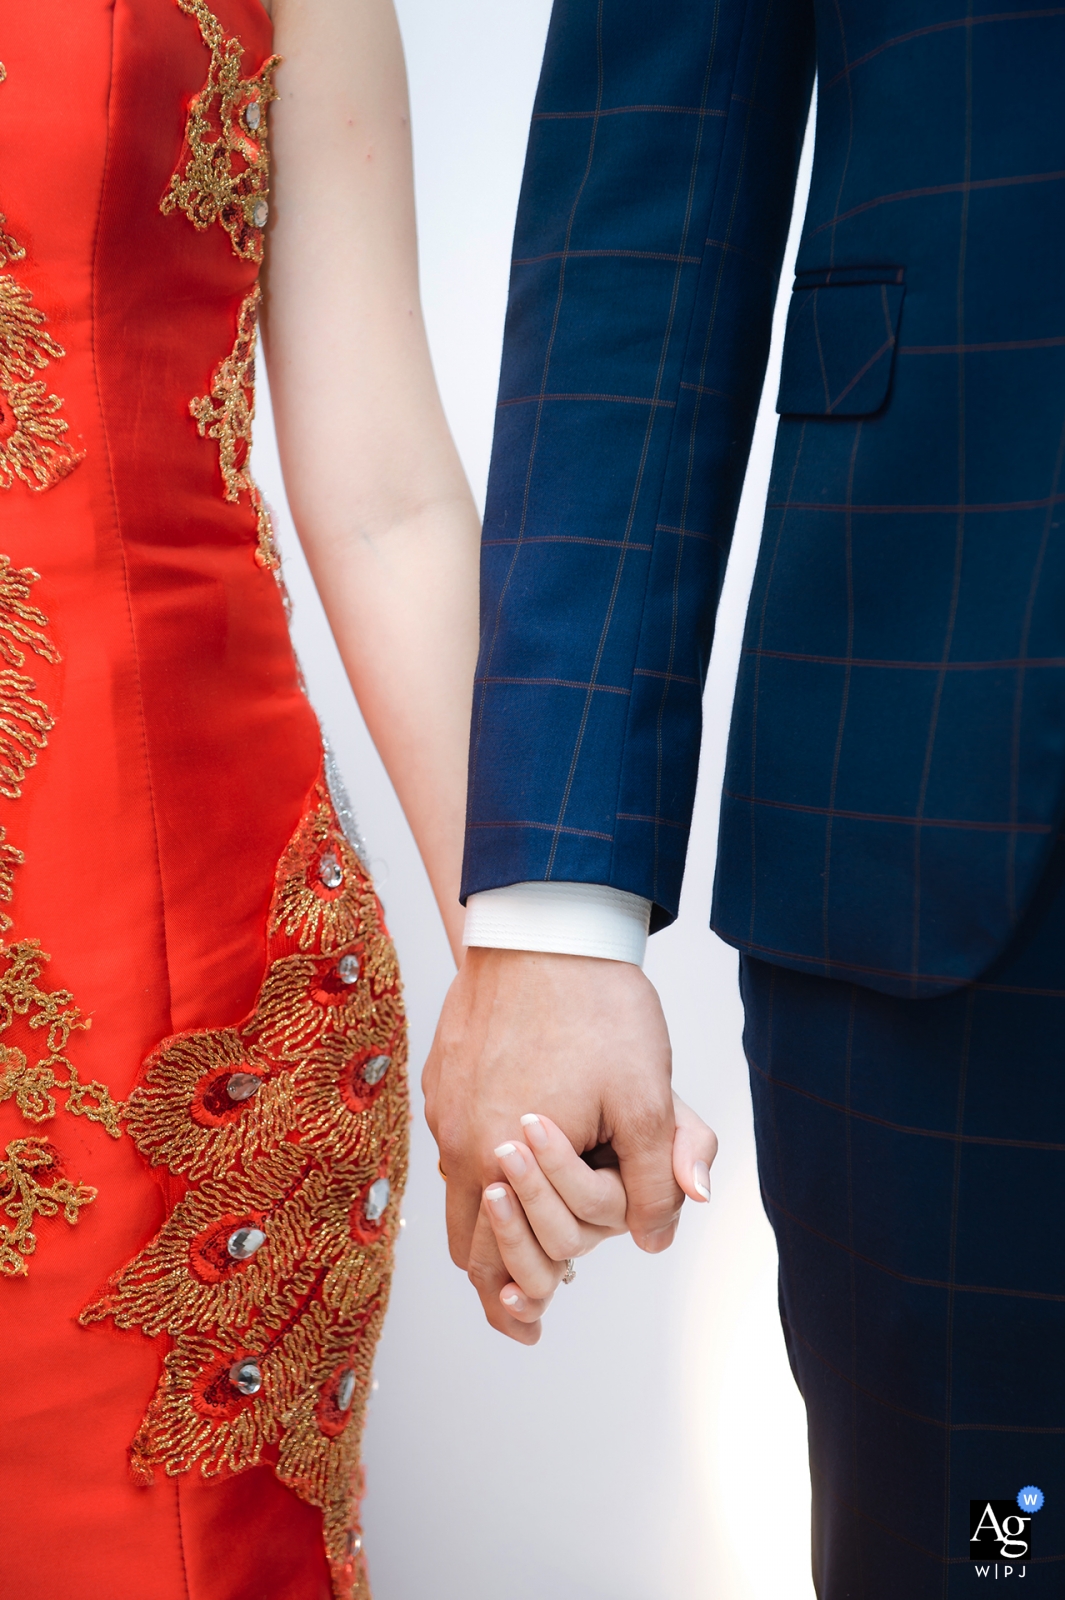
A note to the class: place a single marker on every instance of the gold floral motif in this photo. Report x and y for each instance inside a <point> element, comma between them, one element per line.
<point>223,174</point>
<point>310,913</point>
<point>53,1012</point>
<point>10,249</point>
<point>32,446</point>
<point>25,721</point>
<point>24,1198</point>
<point>10,858</point>
<point>20,622</point>
<point>321,1120</point>
<point>35,1022</point>
<point>227,414</point>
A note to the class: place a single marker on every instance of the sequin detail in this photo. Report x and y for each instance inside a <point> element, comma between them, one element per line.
<point>32,443</point>
<point>338,793</point>
<point>296,1161</point>
<point>223,173</point>
<point>226,415</point>
<point>36,1022</point>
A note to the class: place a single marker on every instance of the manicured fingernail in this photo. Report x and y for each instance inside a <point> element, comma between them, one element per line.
<point>512,1159</point>
<point>500,1201</point>
<point>701,1178</point>
<point>535,1131</point>
<point>514,1301</point>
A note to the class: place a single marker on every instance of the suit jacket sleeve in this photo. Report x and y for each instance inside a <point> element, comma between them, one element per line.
<point>653,216</point>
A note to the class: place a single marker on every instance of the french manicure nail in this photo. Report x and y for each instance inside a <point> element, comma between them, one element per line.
<point>500,1201</point>
<point>512,1159</point>
<point>535,1131</point>
<point>701,1178</point>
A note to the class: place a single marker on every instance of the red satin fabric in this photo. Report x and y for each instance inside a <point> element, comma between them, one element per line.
<point>153,822</point>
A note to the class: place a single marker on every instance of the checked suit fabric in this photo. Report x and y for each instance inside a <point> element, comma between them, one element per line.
<point>912,1161</point>
<point>896,770</point>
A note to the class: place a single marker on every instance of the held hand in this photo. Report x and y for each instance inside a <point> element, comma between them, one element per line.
<point>555,1208</point>
<point>566,1208</point>
<point>584,1042</point>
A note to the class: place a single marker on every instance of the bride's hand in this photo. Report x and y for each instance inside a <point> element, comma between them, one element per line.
<point>556,1207</point>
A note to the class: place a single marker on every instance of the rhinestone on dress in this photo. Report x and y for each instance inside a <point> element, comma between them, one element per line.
<point>377,1200</point>
<point>353,1544</point>
<point>246,1376</point>
<point>348,969</point>
<point>259,213</point>
<point>242,1085</point>
<point>346,1389</point>
<point>243,1243</point>
<point>253,114</point>
<point>330,871</point>
<point>375,1069</point>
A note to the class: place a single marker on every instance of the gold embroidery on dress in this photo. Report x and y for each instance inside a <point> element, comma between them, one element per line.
<point>20,622</point>
<point>24,726</point>
<point>226,415</point>
<point>223,175</point>
<point>10,858</point>
<point>24,1198</point>
<point>32,446</point>
<point>50,1012</point>
<point>271,1274</point>
<point>35,1022</point>
<point>25,721</point>
<point>10,249</point>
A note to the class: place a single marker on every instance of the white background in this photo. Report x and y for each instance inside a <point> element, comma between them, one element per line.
<point>652,1445</point>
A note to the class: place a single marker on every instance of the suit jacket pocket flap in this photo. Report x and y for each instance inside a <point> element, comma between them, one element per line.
<point>839,347</point>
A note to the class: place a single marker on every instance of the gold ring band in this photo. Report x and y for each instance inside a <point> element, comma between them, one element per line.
<point>441,1171</point>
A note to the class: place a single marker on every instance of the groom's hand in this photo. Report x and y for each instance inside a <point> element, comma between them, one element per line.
<point>577,1038</point>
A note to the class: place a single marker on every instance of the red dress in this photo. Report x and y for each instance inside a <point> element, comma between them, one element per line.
<point>203,1112</point>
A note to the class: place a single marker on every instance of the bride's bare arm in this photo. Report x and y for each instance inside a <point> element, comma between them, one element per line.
<point>380,500</point>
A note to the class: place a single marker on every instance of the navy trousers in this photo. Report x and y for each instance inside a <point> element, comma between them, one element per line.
<point>912,1161</point>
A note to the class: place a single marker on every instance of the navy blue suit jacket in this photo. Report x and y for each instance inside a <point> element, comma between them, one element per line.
<point>896,770</point>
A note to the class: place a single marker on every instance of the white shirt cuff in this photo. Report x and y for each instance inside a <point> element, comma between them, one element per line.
<point>572,919</point>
